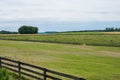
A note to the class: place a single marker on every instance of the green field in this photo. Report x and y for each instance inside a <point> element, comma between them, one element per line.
<point>90,62</point>
<point>88,38</point>
<point>7,75</point>
<point>89,33</point>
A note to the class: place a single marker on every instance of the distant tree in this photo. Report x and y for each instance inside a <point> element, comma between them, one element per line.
<point>107,29</point>
<point>28,30</point>
<point>118,29</point>
<point>112,29</point>
<point>7,32</point>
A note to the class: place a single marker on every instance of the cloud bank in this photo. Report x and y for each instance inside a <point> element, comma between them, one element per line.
<point>59,15</point>
<point>61,10</point>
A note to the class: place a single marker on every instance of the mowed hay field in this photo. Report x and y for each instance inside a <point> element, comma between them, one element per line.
<point>86,38</point>
<point>90,33</point>
<point>90,62</point>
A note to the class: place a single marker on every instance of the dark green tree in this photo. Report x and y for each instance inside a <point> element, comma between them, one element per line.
<point>107,29</point>
<point>116,29</point>
<point>28,30</point>
<point>112,29</point>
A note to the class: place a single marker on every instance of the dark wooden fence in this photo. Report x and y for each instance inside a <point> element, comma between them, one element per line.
<point>35,72</point>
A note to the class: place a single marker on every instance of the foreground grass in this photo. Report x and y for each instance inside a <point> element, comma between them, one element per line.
<point>90,62</point>
<point>7,75</point>
<point>108,39</point>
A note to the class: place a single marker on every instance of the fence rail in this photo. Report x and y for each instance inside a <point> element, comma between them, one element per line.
<point>35,72</point>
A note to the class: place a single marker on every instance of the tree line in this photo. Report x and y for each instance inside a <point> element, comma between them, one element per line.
<point>112,29</point>
<point>22,30</point>
<point>7,32</point>
<point>34,30</point>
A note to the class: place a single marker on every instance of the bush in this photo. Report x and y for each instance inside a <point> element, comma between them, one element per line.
<point>5,75</point>
<point>28,30</point>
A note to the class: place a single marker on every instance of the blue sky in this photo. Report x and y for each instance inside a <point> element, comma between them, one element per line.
<point>59,15</point>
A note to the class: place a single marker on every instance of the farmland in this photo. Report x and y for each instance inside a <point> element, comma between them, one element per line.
<point>92,55</point>
<point>90,33</point>
<point>90,62</point>
<point>87,38</point>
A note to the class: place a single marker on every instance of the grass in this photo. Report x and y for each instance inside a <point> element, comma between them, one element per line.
<point>90,62</point>
<point>89,33</point>
<point>7,75</point>
<point>87,39</point>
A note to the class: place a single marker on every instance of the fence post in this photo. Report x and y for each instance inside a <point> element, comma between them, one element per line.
<point>19,69</point>
<point>45,73</point>
<point>0,63</point>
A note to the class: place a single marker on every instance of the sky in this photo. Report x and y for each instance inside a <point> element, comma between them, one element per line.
<point>59,15</point>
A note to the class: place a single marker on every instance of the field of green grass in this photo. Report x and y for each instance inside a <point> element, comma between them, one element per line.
<point>86,38</point>
<point>7,75</point>
<point>89,33</point>
<point>90,62</point>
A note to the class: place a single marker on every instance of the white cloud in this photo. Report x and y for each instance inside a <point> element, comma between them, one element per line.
<point>63,10</point>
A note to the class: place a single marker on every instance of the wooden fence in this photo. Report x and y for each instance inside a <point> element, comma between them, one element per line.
<point>35,72</point>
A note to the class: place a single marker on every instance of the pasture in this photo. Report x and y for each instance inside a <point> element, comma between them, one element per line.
<point>90,62</point>
<point>84,38</point>
<point>90,33</point>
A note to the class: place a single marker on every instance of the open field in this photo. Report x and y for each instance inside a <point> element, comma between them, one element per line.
<point>112,32</point>
<point>90,62</point>
<point>107,39</point>
<point>90,33</point>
